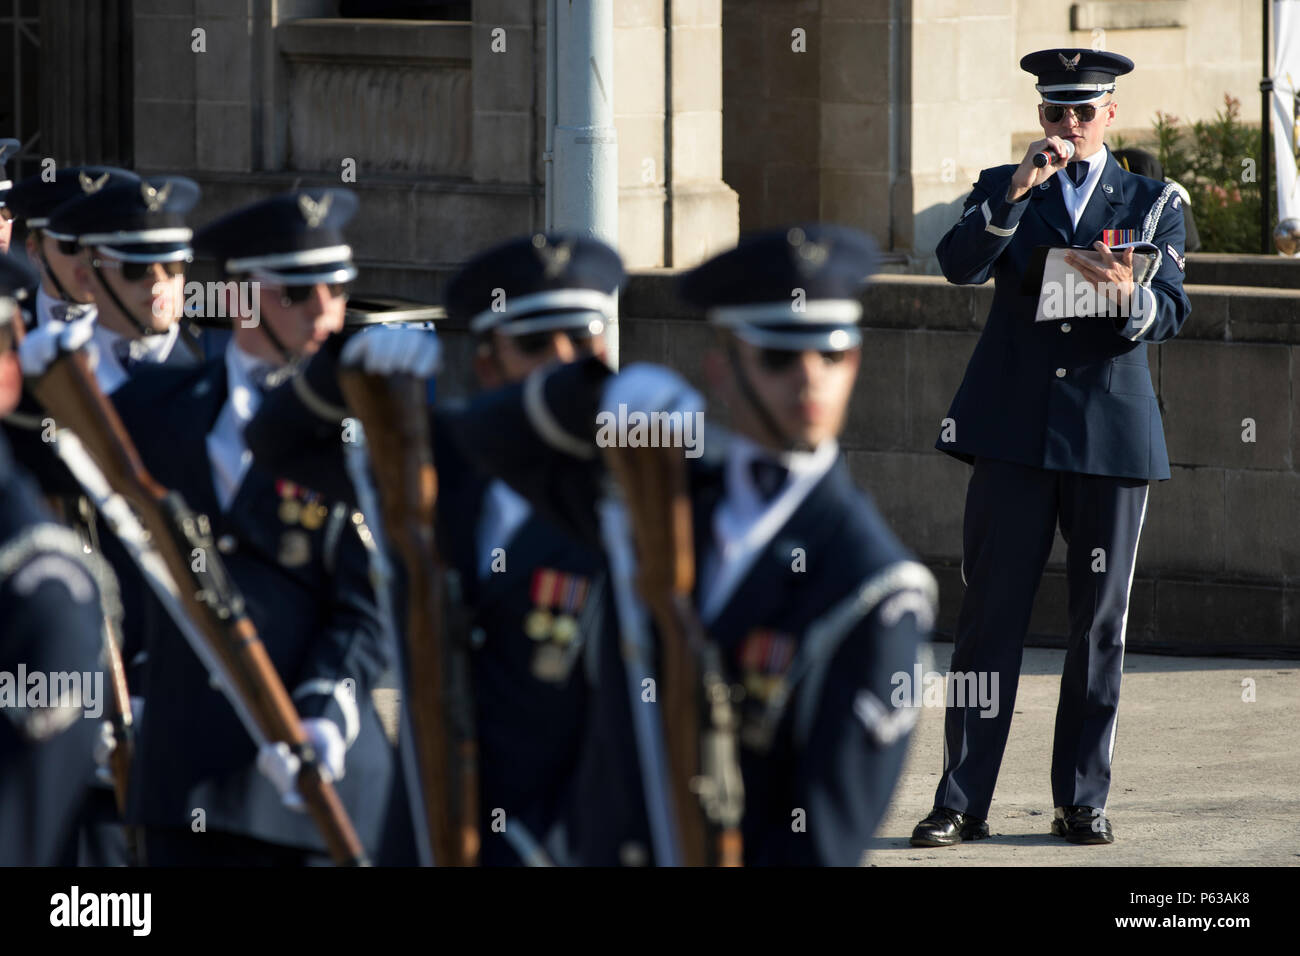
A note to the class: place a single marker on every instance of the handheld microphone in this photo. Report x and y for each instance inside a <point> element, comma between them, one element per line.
<point>1048,156</point>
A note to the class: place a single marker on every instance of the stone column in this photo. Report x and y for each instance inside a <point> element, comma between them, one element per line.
<point>962,69</point>
<point>674,208</point>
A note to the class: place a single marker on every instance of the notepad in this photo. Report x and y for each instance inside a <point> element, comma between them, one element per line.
<point>1064,293</point>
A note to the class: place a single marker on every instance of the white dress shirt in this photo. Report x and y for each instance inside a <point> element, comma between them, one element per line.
<point>102,349</point>
<point>743,523</point>
<point>227,452</point>
<point>504,512</point>
<point>1076,197</point>
<point>48,309</point>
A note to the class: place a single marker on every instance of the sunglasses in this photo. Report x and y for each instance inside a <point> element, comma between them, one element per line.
<point>135,271</point>
<point>533,343</point>
<point>1084,113</point>
<point>779,360</point>
<point>298,294</point>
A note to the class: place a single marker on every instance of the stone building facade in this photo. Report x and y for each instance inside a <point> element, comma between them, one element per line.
<point>730,114</point>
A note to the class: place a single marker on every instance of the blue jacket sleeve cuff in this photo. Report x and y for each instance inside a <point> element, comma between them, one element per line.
<point>1141,313</point>
<point>1001,220</point>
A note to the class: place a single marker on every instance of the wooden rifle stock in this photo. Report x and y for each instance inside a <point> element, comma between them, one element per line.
<point>393,410</point>
<point>122,722</point>
<point>656,496</point>
<point>72,397</point>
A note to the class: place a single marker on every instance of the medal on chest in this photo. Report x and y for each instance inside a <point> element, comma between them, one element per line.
<point>552,624</point>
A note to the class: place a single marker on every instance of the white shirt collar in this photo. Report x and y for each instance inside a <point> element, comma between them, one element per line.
<point>743,523</point>
<point>46,305</point>
<point>801,464</point>
<point>1077,197</point>
<point>103,346</point>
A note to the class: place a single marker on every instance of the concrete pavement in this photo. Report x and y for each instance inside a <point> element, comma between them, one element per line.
<point>1200,776</point>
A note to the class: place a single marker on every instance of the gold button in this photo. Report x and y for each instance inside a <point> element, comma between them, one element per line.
<point>226,543</point>
<point>1060,373</point>
<point>1065,326</point>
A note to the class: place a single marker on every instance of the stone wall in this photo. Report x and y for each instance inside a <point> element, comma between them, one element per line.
<point>1219,560</point>
<point>896,105</point>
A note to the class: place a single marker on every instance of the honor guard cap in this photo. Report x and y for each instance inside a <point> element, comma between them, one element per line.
<point>794,288</point>
<point>142,221</point>
<point>16,278</point>
<point>1075,76</point>
<point>295,238</point>
<point>538,283</point>
<point>34,198</point>
<point>8,150</point>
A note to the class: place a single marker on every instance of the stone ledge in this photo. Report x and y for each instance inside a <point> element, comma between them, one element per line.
<point>390,42</point>
<point>1217,268</point>
<point>1167,615</point>
<point>1128,14</point>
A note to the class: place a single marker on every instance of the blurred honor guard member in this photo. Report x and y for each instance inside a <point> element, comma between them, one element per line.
<point>532,589</point>
<point>50,630</point>
<point>138,244</point>
<point>1061,424</point>
<point>527,580</point>
<point>61,296</point>
<point>297,561</point>
<point>62,303</point>
<point>8,149</point>
<point>811,600</point>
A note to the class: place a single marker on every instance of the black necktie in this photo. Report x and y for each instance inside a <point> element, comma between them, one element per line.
<point>769,477</point>
<point>122,349</point>
<point>1077,172</point>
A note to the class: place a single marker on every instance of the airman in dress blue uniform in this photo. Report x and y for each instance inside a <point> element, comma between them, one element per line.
<point>1059,418</point>
<point>52,625</point>
<point>295,555</point>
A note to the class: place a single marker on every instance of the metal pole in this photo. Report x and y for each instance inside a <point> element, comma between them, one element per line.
<point>1265,130</point>
<point>584,184</point>
<point>548,158</point>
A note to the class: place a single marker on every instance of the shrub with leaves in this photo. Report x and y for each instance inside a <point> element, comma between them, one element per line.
<point>1218,161</point>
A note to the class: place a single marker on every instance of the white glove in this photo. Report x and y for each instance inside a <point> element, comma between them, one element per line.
<point>280,766</point>
<point>650,388</point>
<point>41,346</point>
<point>105,745</point>
<point>388,349</point>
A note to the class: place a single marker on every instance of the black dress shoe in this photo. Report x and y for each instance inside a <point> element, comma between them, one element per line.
<point>944,827</point>
<point>1082,825</point>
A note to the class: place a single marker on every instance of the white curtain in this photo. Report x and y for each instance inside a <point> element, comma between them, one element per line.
<point>1286,73</point>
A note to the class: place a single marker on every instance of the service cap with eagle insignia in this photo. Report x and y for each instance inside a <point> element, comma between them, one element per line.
<point>34,198</point>
<point>294,238</point>
<point>9,148</point>
<point>538,283</point>
<point>141,221</point>
<point>794,288</point>
<point>1075,76</point>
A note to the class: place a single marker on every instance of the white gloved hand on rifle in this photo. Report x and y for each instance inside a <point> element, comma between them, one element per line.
<point>390,349</point>
<point>279,765</point>
<point>643,387</point>
<point>43,344</point>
